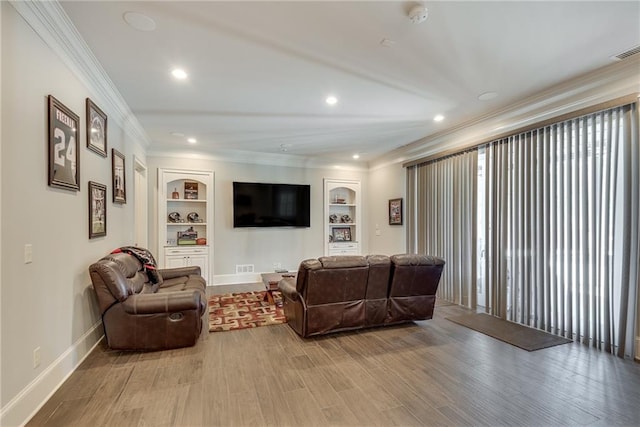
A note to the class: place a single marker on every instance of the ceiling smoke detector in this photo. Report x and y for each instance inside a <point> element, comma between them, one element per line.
<point>418,14</point>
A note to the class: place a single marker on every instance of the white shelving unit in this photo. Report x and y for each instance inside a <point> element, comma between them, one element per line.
<point>342,217</point>
<point>175,197</point>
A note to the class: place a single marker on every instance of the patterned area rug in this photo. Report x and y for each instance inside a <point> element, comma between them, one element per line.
<point>244,310</point>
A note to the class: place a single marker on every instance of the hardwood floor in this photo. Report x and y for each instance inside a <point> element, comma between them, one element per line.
<point>431,372</point>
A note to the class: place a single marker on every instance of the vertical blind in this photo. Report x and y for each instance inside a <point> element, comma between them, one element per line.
<point>441,221</point>
<point>561,211</point>
<point>551,217</point>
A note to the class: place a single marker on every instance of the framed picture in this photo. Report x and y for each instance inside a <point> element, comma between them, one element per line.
<point>118,177</point>
<point>96,129</point>
<point>395,212</point>
<point>64,146</point>
<point>341,234</point>
<point>191,190</point>
<point>97,210</point>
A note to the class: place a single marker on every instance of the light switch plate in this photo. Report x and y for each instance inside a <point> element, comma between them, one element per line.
<point>28,253</point>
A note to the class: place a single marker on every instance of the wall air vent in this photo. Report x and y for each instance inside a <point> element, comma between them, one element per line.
<point>244,268</point>
<point>627,53</point>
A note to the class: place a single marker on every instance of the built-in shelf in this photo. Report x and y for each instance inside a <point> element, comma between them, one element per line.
<point>187,200</point>
<point>342,203</point>
<point>198,185</point>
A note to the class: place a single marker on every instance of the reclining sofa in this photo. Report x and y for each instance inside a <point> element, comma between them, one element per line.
<point>338,293</point>
<point>139,314</point>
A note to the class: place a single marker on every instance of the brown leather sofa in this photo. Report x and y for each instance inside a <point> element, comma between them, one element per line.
<point>140,315</point>
<point>340,293</point>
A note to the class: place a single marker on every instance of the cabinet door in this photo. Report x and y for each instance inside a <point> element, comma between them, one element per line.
<point>175,261</point>
<point>201,260</point>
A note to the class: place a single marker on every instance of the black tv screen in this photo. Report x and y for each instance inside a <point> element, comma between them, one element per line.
<point>271,205</point>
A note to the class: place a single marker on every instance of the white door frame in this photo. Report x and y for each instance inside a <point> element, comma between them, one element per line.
<point>141,205</point>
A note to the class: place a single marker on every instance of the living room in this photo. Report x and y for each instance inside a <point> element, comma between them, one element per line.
<point>50,319</point>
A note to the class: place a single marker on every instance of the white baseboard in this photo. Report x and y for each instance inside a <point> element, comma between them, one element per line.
<point>19,410</point>
<point>236,279</point>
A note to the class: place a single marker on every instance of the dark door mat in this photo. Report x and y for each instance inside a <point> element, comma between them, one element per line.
<point>527,338</point>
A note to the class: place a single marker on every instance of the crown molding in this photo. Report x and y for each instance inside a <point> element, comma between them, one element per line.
<point>49,20</point>
<point>253,158</point>
<point>604,84</point>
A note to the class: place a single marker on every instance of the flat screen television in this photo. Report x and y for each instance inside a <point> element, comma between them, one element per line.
<point>271,205</point>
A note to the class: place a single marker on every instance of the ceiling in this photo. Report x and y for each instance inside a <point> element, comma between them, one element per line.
<point>259,72</point>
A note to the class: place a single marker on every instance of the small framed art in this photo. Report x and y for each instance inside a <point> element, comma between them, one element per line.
<point>191,190</point>
<point>96,129</point>
<point>395,212</point>
<point>64,145</point>
<point>118,177</point>
<point>341,234</point>
<point>97,210</point>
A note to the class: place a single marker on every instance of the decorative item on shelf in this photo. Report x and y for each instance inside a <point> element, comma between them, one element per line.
<point>330,238</point>
<point>174,217</point>
<point>339,199</point>
<point>191,190</point>
<point>175,194</point>
<point>193,217</point>
<point>201,241</point>
<point>342,234</point>
<point>333,218</point>
<point>345,219</point>
<point>187,237</point>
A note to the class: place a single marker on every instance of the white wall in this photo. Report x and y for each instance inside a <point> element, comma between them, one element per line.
<point>260,247</point>
<point>49,303</point>
<point>386,182</point>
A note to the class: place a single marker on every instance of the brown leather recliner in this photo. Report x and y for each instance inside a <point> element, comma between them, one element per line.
<point>413,286</point>
<point>140,315</point>
<point>327,295</point>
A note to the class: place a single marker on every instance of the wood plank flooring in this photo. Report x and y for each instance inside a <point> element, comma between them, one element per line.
<point>431,372</point>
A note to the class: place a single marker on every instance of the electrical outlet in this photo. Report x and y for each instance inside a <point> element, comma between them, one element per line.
<point>36,357</point>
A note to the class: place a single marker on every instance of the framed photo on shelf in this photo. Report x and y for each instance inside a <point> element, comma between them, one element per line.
<point>118,177</point>
<point>97,210</point>
<point>191,190</point>
<point>395,212</point>
<point>341,234</point>
<point>96,129</point>
<point>64,146</point>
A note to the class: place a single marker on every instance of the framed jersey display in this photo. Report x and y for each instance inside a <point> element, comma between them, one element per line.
<point>96,129</point>
<point>97,210</point>
<point>64,160</point>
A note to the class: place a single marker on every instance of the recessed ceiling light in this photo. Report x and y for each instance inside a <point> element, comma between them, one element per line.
<point>331,100</point>
<point>192,140</point>
<point>438,118</point>
<point>487,96</point>
<point>179,73</point>
<point>139,21</point>
<point>356,156</point>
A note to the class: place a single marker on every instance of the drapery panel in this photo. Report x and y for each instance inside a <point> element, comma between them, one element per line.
<point>441,207</point>
<point>561,216</point>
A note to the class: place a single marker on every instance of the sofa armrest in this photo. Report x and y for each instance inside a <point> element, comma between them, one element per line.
<point>171,273</point>
<point>288,288</point>
<point>166,302</point>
